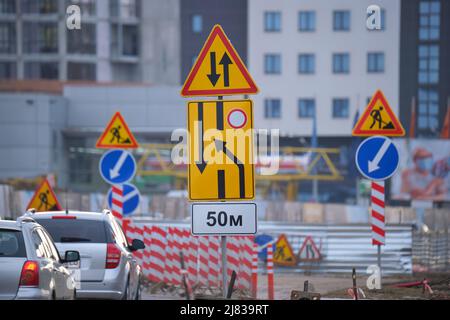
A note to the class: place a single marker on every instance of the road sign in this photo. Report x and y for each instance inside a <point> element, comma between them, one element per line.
<point>117,135</point>
<point>284,255</point>
<point>221,150</point>
<point>44,199</point>
<point>117,166</point>
<point>308,251</point>
<point>378,119</point>
<point>130,199</point>
<point>218,70</point>
<point>377,158</point>
<point>224,218</point>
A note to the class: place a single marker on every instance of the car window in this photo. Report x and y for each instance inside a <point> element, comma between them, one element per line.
<point>75,230</point>
<point>50,245</point>
<point>120,237</point>
<point>12,244</point>
<point>39,247</point>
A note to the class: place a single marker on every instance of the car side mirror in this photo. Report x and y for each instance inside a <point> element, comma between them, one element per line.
<point>72,256</point>
<point>137,245</point>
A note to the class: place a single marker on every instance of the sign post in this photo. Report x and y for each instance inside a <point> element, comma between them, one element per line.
<point>377,159</point>
<point>117,167</point>
<point>221,164</point>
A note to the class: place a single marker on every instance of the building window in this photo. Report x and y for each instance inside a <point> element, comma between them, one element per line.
<point>272,108</point>
<point>197,23</point>
<point>375,62</point>
<point>127,9</point>
<point>7,37</point>
<point>40,37</point>
<point>306,108</point>
<point>306,63</point>
<point>41,70</point>
<point>306,21</point>
<point>272,64</point>
<point>7,6</point>
<point>81,71</point>
<point>341,108</point>
<point>39,6</point>
<point>272,21</point>
<point>429,20</point>
<point>124,40</point>
<point>341,20</point>
<point>8,71</point>
<point>83,41</point>
<point>428,64</point>
<point>341,63</point>
<point>428,110</point>
<point>87,7</point>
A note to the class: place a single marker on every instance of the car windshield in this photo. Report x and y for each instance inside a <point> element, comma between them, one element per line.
<point>12,244</point>
<point>75,231</point>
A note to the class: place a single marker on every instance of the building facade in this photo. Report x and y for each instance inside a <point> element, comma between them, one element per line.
<point>425,61</point>
<point>119,41</point>
<point>319,57</point>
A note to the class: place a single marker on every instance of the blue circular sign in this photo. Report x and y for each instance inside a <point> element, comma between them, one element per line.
<point>377,158</point>
<point>117,166</point>
<point>130,198</point>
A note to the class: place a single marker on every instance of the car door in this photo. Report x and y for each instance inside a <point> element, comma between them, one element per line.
<point>134,280</point>
<point>62,276</point>
<point>46,282</point>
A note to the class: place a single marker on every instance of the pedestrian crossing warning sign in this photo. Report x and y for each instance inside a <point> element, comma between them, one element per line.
<point>309,251</point>
<point>378,119</point>
<point>117,135</point>
<point>284,255</point>
<point>218,70</point>
<point>44,199</point>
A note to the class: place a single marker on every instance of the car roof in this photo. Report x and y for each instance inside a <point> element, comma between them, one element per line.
<point>10,225</point>
<point>85,215</point>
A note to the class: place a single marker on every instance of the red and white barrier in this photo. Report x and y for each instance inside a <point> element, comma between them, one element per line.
<point>245,262</point>
<point>378,217</point>
<point>255,270</point>
<point>203,259</point>
<point>270,271</point>
<point>157,263</point>
<point>214,262</point>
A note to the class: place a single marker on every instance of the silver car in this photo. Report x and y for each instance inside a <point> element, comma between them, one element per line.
<point>108,269</point>
<point>30,266</point>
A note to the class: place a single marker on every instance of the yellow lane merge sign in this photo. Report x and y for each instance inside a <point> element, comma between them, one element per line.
<point>117,135</point>
<point>378,119</point>
<point>218,70</point>
<point>44,199</point>
<point>221,150</point>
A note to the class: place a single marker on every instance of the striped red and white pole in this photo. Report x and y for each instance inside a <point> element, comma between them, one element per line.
<point>214,262</point>
<point>203,260</point>
<point>270,287</point>
<point>117,202</point>
<point>378,217</point>
<point>255,271</point>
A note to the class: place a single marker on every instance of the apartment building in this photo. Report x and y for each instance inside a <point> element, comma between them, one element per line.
<point>318,57</point>
<point>119,41</point>
<point>424,65</point>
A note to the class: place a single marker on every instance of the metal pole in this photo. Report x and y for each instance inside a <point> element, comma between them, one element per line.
<point>223,241</point>
<point>379,262</point>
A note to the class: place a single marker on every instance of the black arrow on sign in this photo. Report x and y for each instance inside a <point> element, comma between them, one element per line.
<point>221,147</point>
<point>225,62</point>
<point>202,165</point>
<point>213,76</point>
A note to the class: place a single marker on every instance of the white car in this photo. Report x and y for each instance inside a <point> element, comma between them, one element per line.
<point>108,269</point>
<point>30,265</point>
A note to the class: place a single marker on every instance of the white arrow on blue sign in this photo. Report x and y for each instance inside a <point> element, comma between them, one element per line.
<point>377,158</point>
<point>130,199</point>
<point>117,166</point>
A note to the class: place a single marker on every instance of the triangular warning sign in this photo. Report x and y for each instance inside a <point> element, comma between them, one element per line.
<point>284,255</point>
<point>44,199</point>
<point>218,70</point>
<point>378,119</point>
<point>117,135</point>
<point>309,251</point>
